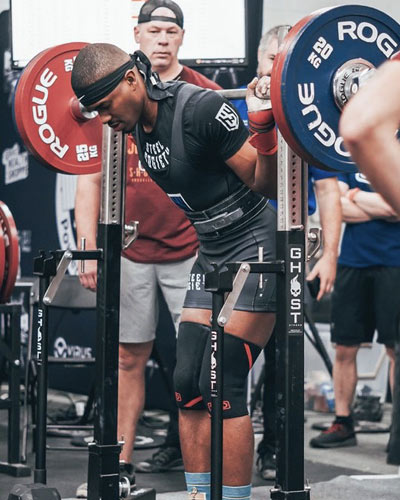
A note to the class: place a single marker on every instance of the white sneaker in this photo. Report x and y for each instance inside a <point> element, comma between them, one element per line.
<point>81,491</point>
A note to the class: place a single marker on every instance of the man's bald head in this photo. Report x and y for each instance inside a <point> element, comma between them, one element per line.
<point>95,61</point>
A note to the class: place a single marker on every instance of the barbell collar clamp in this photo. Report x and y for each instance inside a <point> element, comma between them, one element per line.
<point>79,112</point>
<point>349,78</point>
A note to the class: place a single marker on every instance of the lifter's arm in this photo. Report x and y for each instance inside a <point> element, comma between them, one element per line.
<point>257,171</point>
<point>258,167</point>
<point>87,209</point>
<point>368,126</point>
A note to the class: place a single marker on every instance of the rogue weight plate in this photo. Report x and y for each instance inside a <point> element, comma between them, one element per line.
<point>2,257</point>
<point>313,53</point>
<point>10,238</point>
<point>49,118</point>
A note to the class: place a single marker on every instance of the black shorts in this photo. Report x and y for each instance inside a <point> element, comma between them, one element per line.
<point>365,300</point>
<point>238,246</point>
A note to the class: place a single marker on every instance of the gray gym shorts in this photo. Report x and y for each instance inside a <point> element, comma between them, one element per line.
<point>139,296</point>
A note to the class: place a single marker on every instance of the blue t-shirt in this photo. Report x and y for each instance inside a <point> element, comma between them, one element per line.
<point>371,243</point>
<point>314,173</point>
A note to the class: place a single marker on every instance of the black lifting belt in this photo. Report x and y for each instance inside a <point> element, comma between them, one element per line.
<point>229,214</point>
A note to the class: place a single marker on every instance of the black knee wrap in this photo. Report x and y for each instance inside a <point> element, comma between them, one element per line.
<point>192,341</point>
<point>239,357</point>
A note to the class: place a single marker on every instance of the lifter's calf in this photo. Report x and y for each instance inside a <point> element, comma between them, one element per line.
<point>131,390</point>
<point>238,446</point>
<point>194,431</point>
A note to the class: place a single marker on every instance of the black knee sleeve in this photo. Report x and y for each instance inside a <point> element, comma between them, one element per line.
<point>239,357</point>
<point>192,341</point>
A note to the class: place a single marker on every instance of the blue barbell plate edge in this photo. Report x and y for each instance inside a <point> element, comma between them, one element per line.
<point>294,65</point>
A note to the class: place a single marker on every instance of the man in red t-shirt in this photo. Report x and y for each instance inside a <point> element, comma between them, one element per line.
<point>162,255</point>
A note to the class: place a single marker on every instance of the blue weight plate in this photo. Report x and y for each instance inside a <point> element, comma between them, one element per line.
<point>315,49</point>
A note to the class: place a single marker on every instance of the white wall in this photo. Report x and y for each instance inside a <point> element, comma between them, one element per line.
<point>291,11</point>
<point>4,5</point>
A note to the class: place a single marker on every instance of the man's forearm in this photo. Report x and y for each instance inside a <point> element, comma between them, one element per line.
<point>352,213</point>
<point>331,220</point>
<point>87,208</point>
<point>373,204</point>
<point>265,179</point>
<point>330,212</point>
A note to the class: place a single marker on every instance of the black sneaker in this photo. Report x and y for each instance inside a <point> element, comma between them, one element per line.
<point>128,471</point>
<point>266,465</point>
<point>125,470</point>
<point>163,459</point>
<point>336,436</point>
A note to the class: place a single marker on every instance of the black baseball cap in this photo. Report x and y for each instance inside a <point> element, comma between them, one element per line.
<point>145,14</point>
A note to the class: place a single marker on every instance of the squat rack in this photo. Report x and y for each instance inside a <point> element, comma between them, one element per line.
<point>290,270</point>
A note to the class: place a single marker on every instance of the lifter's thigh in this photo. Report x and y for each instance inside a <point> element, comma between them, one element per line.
<point>255,327</point>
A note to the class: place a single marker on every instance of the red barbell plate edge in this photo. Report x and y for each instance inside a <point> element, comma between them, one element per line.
<point>20,92</point>
<point>2,257</point>
<point>276,88</point>
<point>10,236</point>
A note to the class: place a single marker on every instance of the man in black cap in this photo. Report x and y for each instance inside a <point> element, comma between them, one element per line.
<point>160,258</point>
<point>195,147</point>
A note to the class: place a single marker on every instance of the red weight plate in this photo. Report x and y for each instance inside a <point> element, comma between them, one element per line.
<point>276,84</point>
<point>10,236</point>
<point>2,257</point>
<point>45,116</point>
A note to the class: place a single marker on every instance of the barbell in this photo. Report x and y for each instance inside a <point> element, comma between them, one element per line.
<point>321,64</point>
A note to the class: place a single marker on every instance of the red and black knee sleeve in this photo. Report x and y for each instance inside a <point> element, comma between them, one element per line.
<point>239,357</point>
<point>191,344</point>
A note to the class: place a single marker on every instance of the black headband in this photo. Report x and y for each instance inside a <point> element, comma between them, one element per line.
<point>101,88</point>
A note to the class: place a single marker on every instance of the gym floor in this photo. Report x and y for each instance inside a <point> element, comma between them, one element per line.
<point>329,481</point>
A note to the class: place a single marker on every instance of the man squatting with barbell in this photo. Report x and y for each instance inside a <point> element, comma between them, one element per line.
<point>195,147</point>
<point>161,256</point>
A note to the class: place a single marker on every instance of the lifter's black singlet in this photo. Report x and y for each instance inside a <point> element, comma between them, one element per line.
<point>212,133</point>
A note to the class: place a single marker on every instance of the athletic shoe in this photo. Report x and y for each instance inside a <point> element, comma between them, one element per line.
<point>81,491</point>
<point>164,459</point>
<point>336,436</point>
<point>266,465</point>
<point>125,470</point>
<point>128,470</point>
